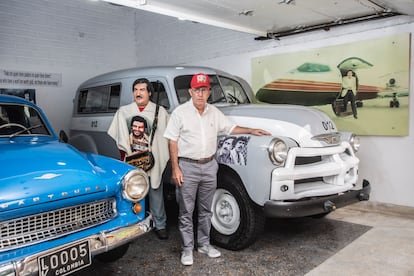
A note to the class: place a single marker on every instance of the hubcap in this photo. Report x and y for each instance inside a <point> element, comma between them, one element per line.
<point>226,212</point>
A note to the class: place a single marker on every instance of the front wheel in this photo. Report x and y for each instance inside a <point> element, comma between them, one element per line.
<point>236,221</point>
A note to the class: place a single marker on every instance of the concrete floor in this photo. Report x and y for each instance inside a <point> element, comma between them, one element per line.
<point>386,249</point>
<point>362,239</point>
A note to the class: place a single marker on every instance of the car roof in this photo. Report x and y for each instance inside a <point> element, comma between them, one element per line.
<point>154,71</point>
<point>13,99</point>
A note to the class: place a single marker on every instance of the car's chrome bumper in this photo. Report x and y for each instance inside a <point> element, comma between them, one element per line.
<point>316,205</point>
<point>98,244</point>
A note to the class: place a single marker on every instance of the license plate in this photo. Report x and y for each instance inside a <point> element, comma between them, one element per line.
<point>65,261</point>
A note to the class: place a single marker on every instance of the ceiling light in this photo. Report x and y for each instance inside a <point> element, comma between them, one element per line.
<point>156,7</point>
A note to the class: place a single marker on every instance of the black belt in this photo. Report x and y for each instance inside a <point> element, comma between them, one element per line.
<point>199,161</point>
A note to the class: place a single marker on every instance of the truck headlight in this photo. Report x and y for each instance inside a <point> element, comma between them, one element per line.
<point>278,151</point>
<point>354,141</point>
<point>135,185</point>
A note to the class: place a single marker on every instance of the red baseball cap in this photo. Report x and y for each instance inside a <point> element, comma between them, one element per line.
<point>200,80</point>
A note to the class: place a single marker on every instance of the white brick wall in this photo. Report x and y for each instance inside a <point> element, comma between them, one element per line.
<point>67,33</point>
<point>75,38</point>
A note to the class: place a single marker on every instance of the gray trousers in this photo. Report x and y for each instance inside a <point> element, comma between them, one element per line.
<point>200,182</point>
<point>156,205</point>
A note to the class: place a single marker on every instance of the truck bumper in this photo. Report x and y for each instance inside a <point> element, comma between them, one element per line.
<point>317,205</point>
<point>98,243</point>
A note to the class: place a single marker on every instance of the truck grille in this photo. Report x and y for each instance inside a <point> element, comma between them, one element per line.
<point>311,172</point>
<point>50,225</point>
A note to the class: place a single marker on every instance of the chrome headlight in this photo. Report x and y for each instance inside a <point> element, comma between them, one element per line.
<point>354,141</point>
<point>135,185</point>
<point>278,151</point>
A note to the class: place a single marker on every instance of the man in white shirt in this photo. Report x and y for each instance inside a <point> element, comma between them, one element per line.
<point>192,132</point>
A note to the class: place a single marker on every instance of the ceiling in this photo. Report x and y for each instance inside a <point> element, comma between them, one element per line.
<point>274,18</point>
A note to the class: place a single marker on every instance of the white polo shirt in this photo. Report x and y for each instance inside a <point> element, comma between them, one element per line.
<point>197,134</point>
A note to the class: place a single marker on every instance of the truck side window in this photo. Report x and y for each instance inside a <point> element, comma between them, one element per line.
<point>163,97</point>
<point>100,99</point>
<point>182,84</point>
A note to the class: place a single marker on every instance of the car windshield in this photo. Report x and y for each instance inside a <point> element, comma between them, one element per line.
<point>223,90</point>
<point>21,120</point>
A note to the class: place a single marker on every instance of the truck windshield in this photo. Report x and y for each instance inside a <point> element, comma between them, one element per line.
<point>223,90</point>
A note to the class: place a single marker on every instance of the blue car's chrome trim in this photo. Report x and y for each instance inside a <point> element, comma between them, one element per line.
<point>98,244</point>
<point>40,227</point>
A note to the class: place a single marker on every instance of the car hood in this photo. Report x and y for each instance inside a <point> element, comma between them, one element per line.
<point>36,173</point>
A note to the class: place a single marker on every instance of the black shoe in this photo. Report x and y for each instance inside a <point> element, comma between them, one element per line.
<point>355,116</point>
<point>162,234</point>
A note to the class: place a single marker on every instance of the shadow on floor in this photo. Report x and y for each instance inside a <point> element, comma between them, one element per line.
<point>287,247</point>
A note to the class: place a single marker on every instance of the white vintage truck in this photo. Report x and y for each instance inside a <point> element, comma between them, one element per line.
<point>306,168</point>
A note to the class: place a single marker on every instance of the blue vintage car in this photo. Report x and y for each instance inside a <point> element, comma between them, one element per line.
<point>59,207</point>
